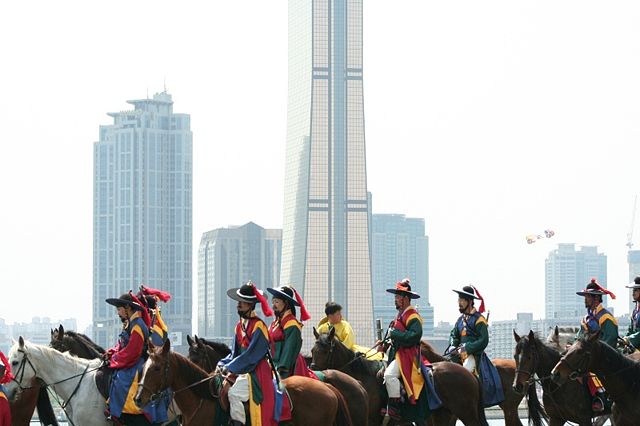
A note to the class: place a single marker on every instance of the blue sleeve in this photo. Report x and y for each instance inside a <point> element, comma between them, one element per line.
<point>226,360</point>
<point>247,361</point>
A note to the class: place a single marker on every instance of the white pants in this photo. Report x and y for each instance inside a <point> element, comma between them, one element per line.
<point>238,394</point>
<point>470,363</point>
<point>392,379</point>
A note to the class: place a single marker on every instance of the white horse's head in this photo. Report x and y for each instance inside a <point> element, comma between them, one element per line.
<point>21,367</point>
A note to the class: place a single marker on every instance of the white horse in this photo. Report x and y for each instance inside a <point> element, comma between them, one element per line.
<point>71,378</point>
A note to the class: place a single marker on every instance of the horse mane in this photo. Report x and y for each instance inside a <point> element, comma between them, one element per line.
<point>360,364</point>
<point>87,344</point>
<point>617,362</point>
<point>191,373</point>
<point>219,347</point>
<point>428,347</point>
<point>86,341</point>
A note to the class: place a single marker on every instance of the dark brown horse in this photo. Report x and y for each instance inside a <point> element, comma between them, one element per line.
<point>24,402</point>
<point>77,344</point>
<point>619,375</point>
<point>458,389</point>
<point>315,404</point>
<point>506,369</point>
<point>206,354</point>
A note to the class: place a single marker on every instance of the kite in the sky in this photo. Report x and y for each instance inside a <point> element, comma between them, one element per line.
<point>532,238</point>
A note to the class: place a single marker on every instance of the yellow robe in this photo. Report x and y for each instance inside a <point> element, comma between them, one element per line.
<point>345,334</point>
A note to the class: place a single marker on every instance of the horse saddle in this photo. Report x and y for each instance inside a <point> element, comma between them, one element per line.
<point>103,380</point>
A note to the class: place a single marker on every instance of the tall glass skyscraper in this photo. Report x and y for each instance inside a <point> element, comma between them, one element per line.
<point>325,242</point>
<point>142,212</point>
<point>567,271</point>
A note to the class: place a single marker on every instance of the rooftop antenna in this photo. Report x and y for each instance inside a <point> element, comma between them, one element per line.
<point>165,84</point>
<point>633,220</point>
<point>147,93</point>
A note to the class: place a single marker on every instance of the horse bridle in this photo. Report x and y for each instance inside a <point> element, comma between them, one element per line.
<point>163,384</point>
<point>580,369</point>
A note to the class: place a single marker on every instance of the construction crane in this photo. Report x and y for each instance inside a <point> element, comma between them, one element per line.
<point>633,220</point>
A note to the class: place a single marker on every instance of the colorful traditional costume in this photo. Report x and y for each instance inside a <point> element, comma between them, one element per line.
<point>633,333</point>
<point>5,377</point>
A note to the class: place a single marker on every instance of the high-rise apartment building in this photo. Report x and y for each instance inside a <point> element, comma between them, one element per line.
<point>228,258</point>
<point>400,249</point>
<point>142,230</point>
<point>325,245</point>
<point>567,271</point>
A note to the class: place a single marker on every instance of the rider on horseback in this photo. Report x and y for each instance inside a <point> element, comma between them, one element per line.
<point>127,359</point>
<point>248,360</point>
<point>285,332</point>
<point>343,330</point>
<point>404,352</point>
<point>598,319</point>
<point>5,377</point>
<point>470,335</point>
<point>633,334</point>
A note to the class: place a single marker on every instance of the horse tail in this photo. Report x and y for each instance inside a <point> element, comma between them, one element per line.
<point>481,414</point>
<point>45,411</point>
<point>535,409</point>
<point>343,416</point>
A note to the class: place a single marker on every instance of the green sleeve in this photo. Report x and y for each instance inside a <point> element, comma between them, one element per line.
<point>634,339</point>
<point>290,350</point>
<point>609,333</point>
<point>480,343</point>
<point>410,337</point>
<point>454,337</point>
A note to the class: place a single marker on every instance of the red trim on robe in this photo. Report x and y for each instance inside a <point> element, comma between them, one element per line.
<point>130,354</point>
<point>407,357</point>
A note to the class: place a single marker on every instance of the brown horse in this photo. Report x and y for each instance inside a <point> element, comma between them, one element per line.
<point>24,402</point>
<point>506,369</point>
<point>451,380</point>
<point>206,354</point>
<point>619,375</point>
<point>567,403</point>
<point>314,403</point>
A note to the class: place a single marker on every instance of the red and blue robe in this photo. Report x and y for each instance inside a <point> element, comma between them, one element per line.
<point>159,330</point>
<point>405,349</point>
<point>5,409</point>
<point>286,341</point>
<point>249,355</point>
<point>127,359</point>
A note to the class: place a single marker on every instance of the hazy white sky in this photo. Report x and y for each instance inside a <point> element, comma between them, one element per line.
<point>491,120</point>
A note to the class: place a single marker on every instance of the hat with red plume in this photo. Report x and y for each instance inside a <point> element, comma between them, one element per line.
<point>593,288</point>
<point>470,292</point>
<point>161,295</point>
<point>251,294</point>
<point>403,288</point>
<point>291,295</point>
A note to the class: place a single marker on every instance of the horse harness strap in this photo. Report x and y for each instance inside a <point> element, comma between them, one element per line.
<point>66,403</point>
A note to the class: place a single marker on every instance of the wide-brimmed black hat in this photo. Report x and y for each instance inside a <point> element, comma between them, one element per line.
<point>635,284</point>
<point>284,293</point>
<point>595,289</point>
<point>124,300</point>
<point>403,288</point>
<point>243,294</point>
<point>467,292</point>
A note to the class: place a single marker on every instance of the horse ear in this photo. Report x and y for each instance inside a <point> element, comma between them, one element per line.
<point>21,342</point>
<point>532,335</point>
<point>151,348</point>
<point>189,340</point>
<point>556,333</point>
<point>200,342</point>
<point>166,347</point>
<point>315,333</point>
<point>60,332</point>
<point>515,335</point>
<point>332,333</point>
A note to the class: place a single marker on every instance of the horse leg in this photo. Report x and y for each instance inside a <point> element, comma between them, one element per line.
<point>556,421</point>
<point>442,417</point>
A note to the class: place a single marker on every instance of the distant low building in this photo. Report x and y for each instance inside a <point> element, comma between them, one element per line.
<point>39,329</point>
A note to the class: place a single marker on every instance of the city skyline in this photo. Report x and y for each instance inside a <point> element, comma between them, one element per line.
<point>490,121</point>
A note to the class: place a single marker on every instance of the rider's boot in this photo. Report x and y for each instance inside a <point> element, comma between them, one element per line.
<point>393,408</point>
